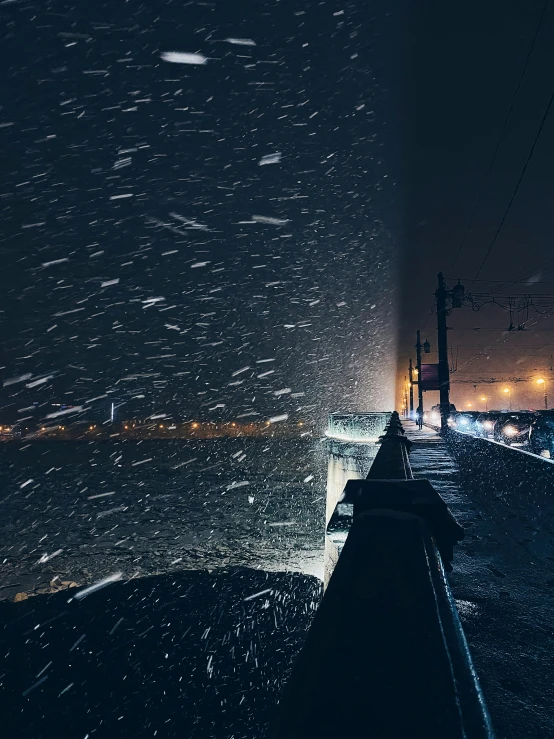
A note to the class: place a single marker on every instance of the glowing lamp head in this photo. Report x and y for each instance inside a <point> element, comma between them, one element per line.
<point>540,381</point>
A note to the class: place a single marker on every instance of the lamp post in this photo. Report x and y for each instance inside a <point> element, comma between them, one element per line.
<point>442,344</point>
<point>485,400</point>
<point>509,392</point>
<point>411,385</point>
<point>417,372</point>
<point>542,381</point>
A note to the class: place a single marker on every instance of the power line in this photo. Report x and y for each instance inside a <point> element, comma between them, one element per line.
<point>491,380</point>
<point>500,138</point>
<point>511,282</point>
<point>503,337</point>
<point>525,275</point>
<point>545,116</point>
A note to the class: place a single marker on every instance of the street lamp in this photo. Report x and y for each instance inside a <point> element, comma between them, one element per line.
<point>485,399</point>
<point>507,390</point>
<point>542,381</point>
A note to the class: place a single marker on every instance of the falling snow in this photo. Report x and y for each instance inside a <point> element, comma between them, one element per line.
<point>190,194</point>
<point>179,57</point>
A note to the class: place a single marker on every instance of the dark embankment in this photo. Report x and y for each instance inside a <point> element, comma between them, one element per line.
<point>187,655</point>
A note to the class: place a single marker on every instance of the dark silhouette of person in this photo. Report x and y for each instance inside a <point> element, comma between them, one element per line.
<point>419,417</point>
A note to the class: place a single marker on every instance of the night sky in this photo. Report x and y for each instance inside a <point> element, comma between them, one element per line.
<point>258,232</point>
<point>211,239</point>
<point>463,66</point>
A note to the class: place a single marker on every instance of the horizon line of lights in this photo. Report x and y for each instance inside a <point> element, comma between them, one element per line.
<point>508,390</point>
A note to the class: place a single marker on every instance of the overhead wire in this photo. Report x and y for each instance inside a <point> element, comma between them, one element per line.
<point>514,193</point>
<point>501,137</point>
<point>526,275</point>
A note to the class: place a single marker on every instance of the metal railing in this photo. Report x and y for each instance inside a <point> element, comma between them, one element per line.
<point>386,656</point>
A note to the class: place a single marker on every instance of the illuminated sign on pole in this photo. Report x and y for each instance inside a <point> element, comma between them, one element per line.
<point>430,377</point>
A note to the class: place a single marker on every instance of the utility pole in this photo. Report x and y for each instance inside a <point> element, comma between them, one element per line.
<point>442,341</point>
<point>411,381</point>
<point>418,364</point>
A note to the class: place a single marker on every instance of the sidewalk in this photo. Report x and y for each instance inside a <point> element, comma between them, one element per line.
<point>431,459</point>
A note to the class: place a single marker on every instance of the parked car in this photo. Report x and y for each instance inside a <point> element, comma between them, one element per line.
<point>485,422</point>
<point>541,435</point>
<point>464,421</point>
<point>513,428</point>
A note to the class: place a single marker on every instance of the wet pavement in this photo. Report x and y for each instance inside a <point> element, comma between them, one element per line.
<point>503,583</point>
